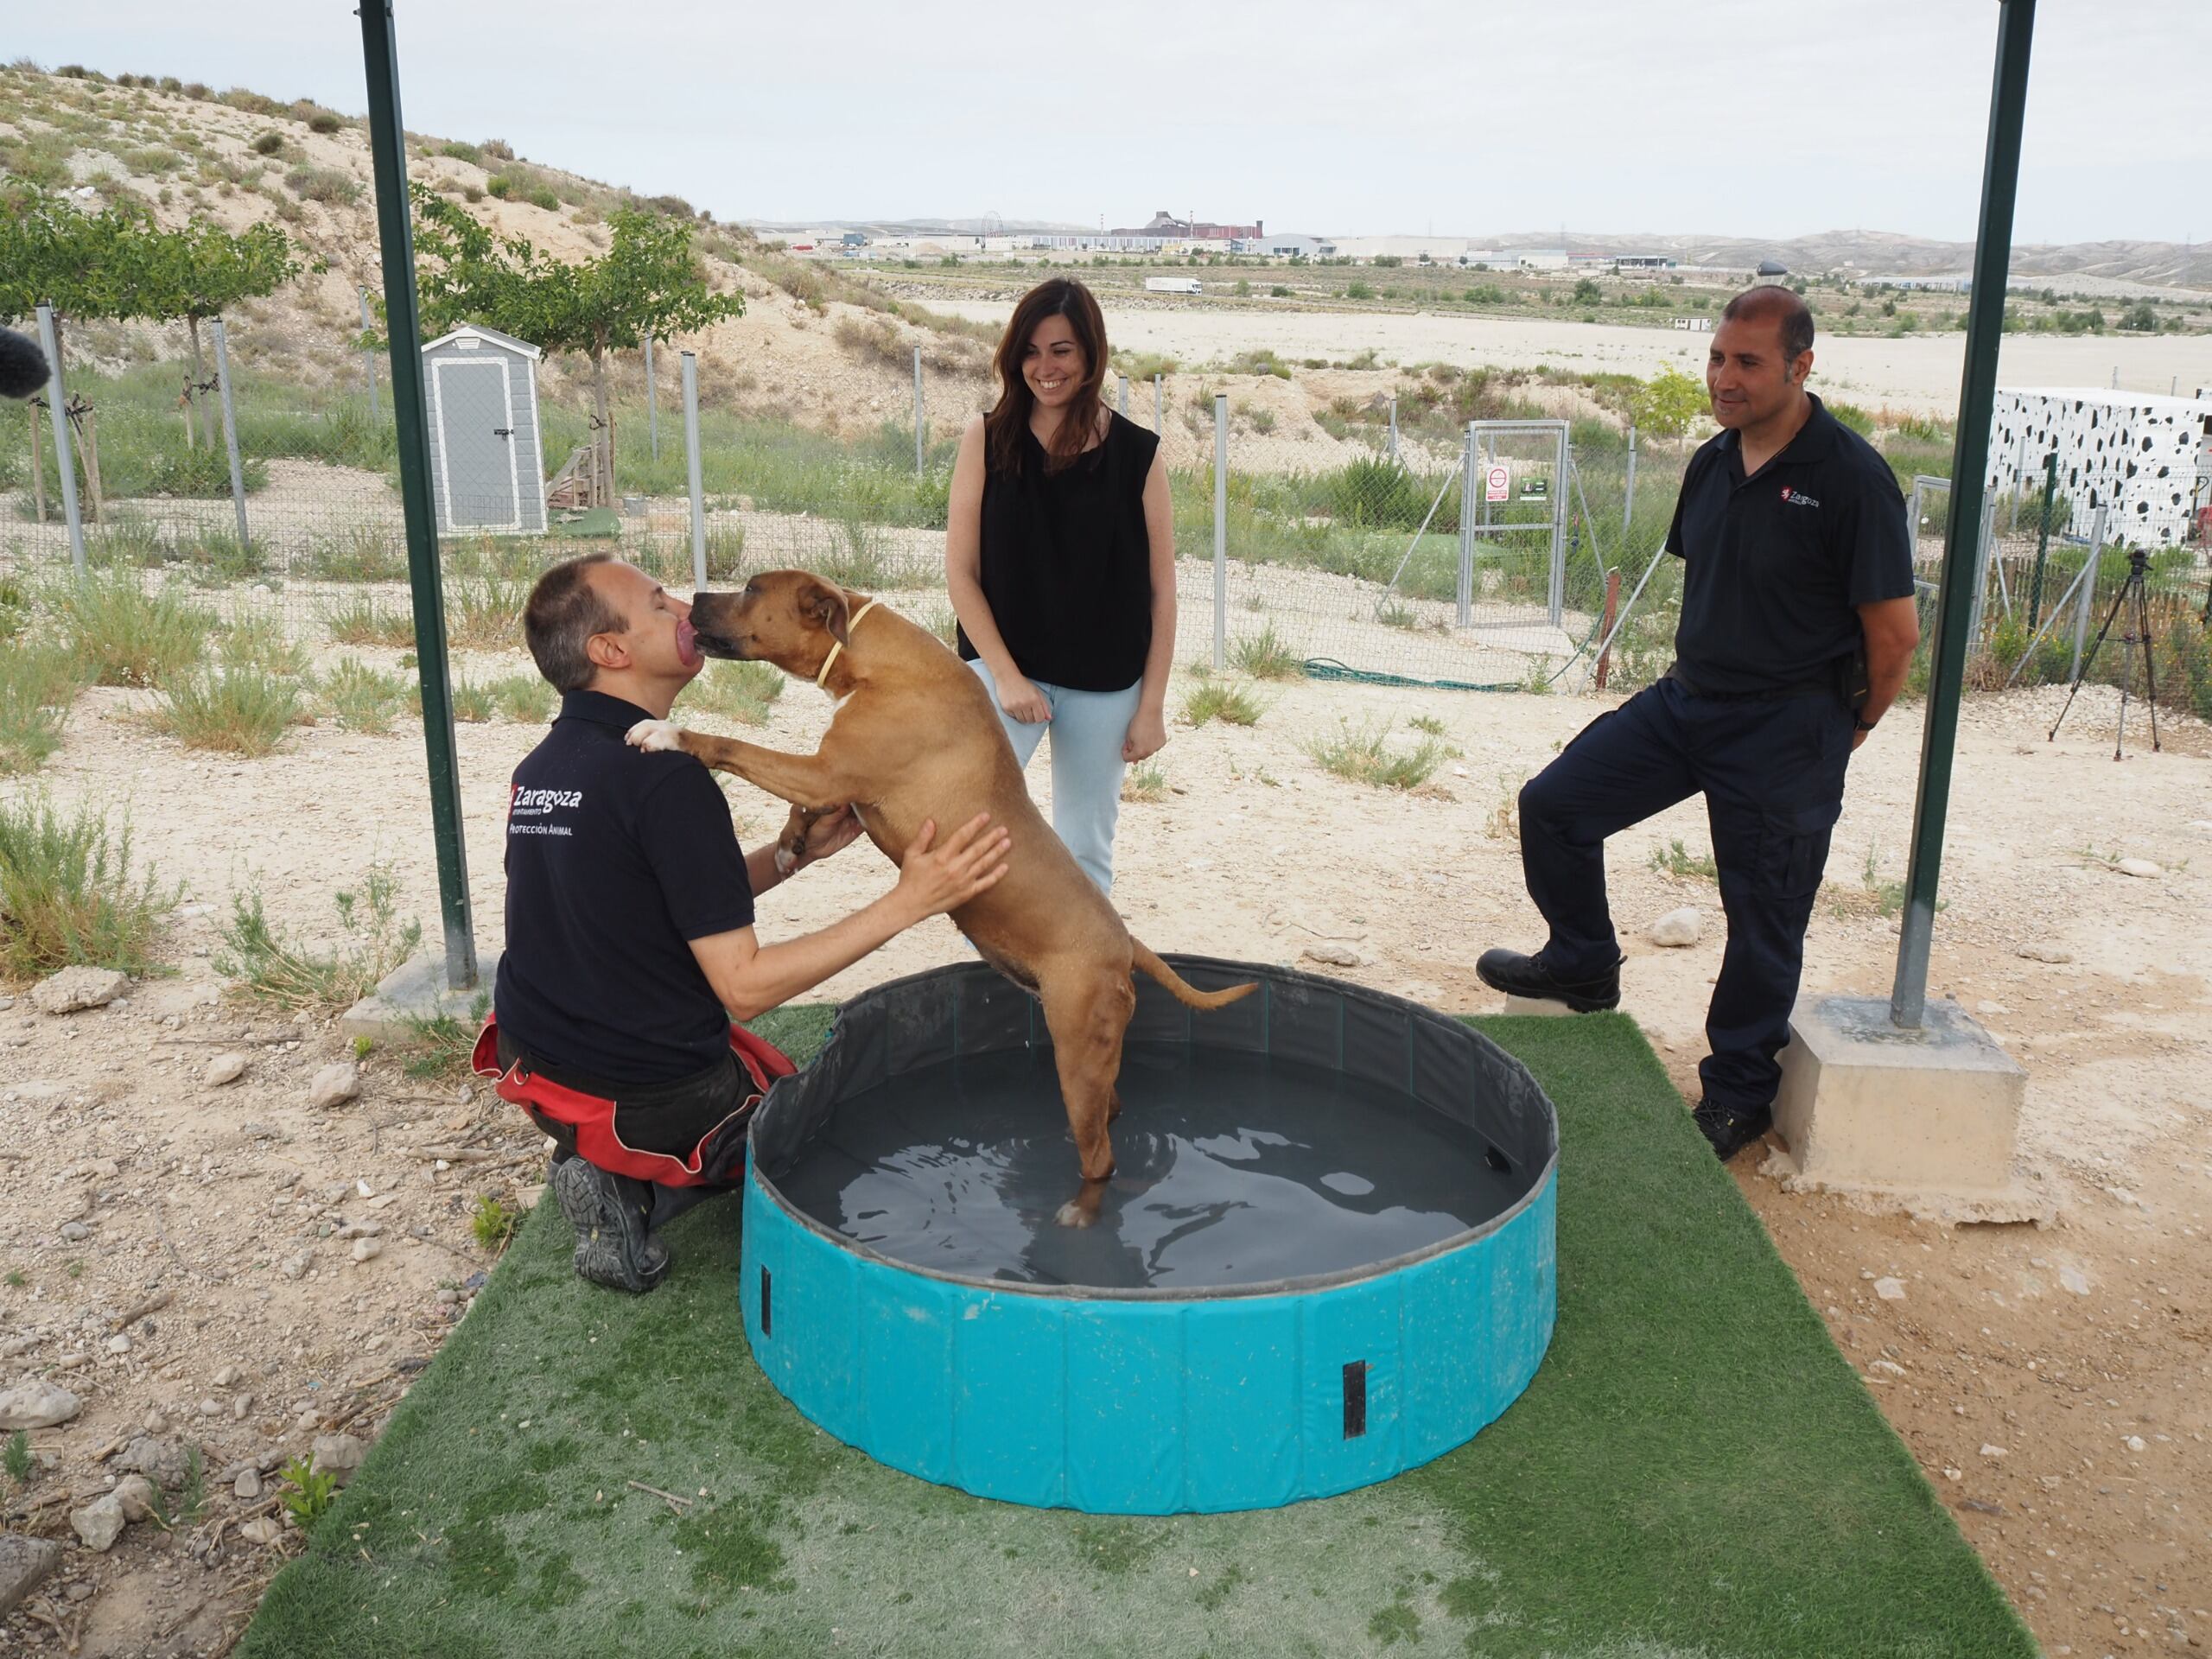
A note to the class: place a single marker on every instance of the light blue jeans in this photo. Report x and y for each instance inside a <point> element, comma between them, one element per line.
<point>1088,729</point>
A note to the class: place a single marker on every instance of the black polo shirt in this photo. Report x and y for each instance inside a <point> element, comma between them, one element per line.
<point>1773,565</point>
<point>616,859</point>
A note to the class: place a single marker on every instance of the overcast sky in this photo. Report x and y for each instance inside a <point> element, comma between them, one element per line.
<point>1750,118</point>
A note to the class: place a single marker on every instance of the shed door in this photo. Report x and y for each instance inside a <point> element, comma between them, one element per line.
<point>476,434</point>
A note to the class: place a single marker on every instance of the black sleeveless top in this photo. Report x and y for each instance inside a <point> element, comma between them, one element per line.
<point>1066,562</point>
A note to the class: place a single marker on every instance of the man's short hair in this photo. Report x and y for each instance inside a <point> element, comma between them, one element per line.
<point>1789,307</point>
<point>564,611</point>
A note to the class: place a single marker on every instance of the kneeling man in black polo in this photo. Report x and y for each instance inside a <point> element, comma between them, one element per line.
<point>1798,626</point>
<point>630,941</point>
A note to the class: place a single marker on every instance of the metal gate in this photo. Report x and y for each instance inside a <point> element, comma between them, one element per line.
<point>1513,505</point>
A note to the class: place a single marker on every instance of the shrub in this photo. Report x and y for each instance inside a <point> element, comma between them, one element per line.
<point>360,553</point>
<point>461,152</point>
<point>1266,658</point>
<point>202,474</point>
<point>741,692</point>
<point>261,642</point>
<point>474,702</point>
<point>1677,860</point>
<point>37,685</point>
<point>361,698</point>
<point>1364,757</point>
<point>1853,416</point>
<point>244,710</point>
<point>523,697</point>
<point>276,968</point>
<point>491,1223</point>
<point>366,622</point>
<point>485,614</point>
<point>1357,291</point>
<point>1231,705</point>
<point>1144,784</point>
<point>67,894</point>
<point>268,143</point>
<point>331,186</point>
<point>125,634</point>
<point>324,121</point>
<point>1669,402</point>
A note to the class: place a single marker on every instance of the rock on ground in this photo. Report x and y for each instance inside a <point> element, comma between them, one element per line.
<point>1336,953</point>
<point>78,988</point>
<point>162,1461</point>
<point>100,1523</point>
<point>37,1403</point>
<point>338,1454</point>
<point>260,1531</point>
<point>135,1493</point>
<point>25,1564</point>
<point>336,1084</point>
<point>225,1068</point>
<point>1678,928</point>
<point>2142,866</point>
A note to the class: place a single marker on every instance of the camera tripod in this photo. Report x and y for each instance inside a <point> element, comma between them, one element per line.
<point>2139,631</point>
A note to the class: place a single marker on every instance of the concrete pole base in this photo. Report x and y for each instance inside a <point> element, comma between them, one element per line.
<point>415,992</point>
<point>1925,1119</point>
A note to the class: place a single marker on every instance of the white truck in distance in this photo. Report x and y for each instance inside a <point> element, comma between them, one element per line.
<point>1171,285</point>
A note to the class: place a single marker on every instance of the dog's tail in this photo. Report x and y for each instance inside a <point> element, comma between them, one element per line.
<point>1190,996</point>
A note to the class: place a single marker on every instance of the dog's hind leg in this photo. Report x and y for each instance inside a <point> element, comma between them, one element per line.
<point>1088,1012</point>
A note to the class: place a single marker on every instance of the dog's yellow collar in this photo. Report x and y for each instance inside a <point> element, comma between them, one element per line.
<point>837,646</point>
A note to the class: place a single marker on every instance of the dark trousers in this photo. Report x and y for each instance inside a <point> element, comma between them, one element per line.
<point>667,1118</point>
<point>1772,777</point>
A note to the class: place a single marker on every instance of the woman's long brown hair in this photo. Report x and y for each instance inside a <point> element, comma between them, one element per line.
<point>1003,428</point>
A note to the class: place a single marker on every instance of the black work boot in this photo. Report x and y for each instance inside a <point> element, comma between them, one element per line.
<point>1519,975</point>
<point>1729,1131</point>
<point>609,1212</point>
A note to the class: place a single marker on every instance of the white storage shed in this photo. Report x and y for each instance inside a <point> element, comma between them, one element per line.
<point>481,388</point>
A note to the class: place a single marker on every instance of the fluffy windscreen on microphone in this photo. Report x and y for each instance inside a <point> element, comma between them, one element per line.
<point>22,365</point>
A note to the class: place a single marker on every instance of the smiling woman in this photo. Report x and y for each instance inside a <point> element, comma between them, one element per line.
<point>1060,560</point>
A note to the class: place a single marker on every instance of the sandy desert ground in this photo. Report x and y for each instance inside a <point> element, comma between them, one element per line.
<point>2052,1381</point>
<point>1916,373</point>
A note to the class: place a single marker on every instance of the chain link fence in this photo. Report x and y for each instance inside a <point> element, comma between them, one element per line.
<point>1504,553</point>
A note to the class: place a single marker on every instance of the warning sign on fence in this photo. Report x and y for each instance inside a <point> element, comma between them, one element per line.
<point>1499,485</point>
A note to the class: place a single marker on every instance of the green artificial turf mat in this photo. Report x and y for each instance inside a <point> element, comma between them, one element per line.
<point>1694,1471</point>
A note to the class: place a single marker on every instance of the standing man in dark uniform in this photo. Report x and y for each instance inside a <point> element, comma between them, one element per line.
<point>630,941</point>
<point>1798,626</point>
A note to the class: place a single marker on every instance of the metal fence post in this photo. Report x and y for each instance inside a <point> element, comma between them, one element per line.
<point>230,424</point>
<point>1159,404</point>
<point>1628,494</point>
<point>1394,426</point>
<point>691,463</point>
<point>368,354</point>
<point>57,402</point>
<point>403,329</point>
<point>1470,492</point>
<point>2042,537</point>
<point>1984,556</point>
<point>1220,529</point>
<point>917,409</point>
<point>1556,598</point>
<point>2088,594</point>
<point>1125,395</point>
<point>653,403</point>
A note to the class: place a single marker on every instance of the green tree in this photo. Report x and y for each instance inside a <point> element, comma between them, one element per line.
<point>1586,292</point>
<point>649,284</point>
<point>1668,402</point>
<point>89,267</point>
<point>201,272</point>
<point>2140,319</point>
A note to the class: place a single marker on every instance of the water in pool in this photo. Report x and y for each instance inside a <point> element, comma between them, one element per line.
<point>1233,1169</point>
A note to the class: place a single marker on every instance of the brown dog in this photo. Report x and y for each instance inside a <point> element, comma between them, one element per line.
<point>916,738</point>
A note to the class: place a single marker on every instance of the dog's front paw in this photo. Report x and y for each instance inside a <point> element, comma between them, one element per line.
<point>1073,1214</point>
<point>653,736</point>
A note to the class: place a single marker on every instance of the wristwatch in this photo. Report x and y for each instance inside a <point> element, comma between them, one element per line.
<point>1863,725</point>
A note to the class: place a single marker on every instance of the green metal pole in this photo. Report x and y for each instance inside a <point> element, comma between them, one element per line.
<point>388,144</point>
<point>2000,180</point>
<point>2042,540</point>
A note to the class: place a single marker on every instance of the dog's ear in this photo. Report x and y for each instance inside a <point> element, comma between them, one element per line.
<point>825,605</point>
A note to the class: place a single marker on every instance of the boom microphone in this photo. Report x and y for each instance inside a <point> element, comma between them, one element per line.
<point>22,365</point>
